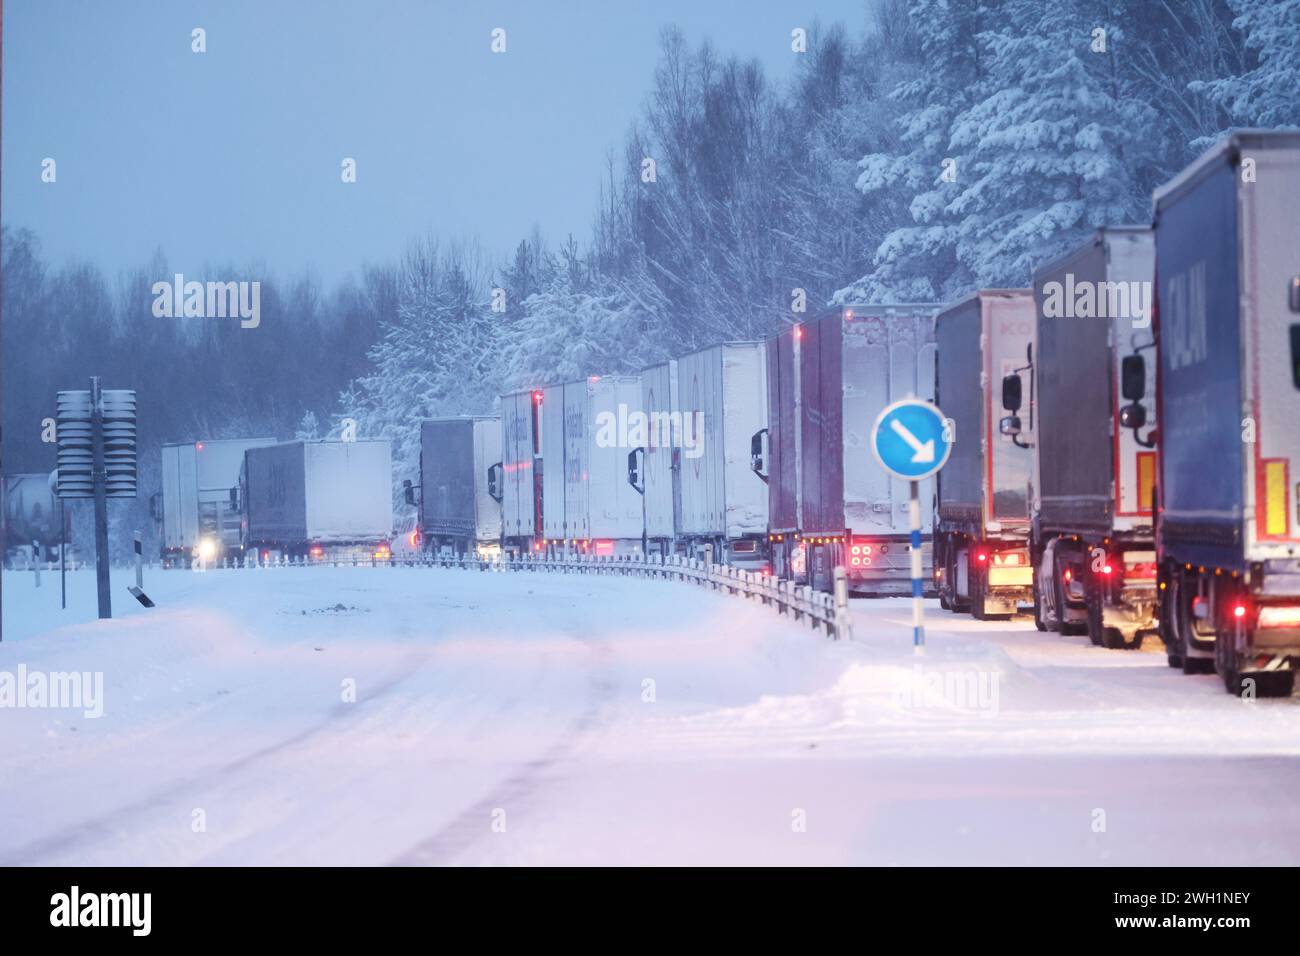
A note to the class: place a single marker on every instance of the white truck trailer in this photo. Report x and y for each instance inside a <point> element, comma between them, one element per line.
<point>198,506</point>
<point>661,463</point>
<point>591,427</point>
<point>522,471</point>
<point>722,394</point>
<point>319,500</point>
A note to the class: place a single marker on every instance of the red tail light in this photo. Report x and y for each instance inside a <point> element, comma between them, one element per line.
<point>981,556</point>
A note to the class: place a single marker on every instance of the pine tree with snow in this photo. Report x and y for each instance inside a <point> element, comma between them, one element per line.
<point>1268,94</point>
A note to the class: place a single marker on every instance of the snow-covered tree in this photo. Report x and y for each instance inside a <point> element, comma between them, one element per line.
<point>1268,93</point>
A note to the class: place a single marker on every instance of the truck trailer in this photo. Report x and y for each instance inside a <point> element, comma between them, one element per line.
<point>722,394</point>
<point>981,524</point>
<point>318,500</point>
<point>460,485</point>
<point>1091,540</point>
<point>660,464</point>
<point>31,515</point>
<point>521,470</point>
<point>831,503</point>
<point>590,427</point>
<point>198,506</point>
<point>1227,233</point>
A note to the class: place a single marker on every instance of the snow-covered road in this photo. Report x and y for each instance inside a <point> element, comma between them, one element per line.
<point>534,718</point>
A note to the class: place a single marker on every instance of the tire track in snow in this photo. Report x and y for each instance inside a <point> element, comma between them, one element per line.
<point>114,821</point>
<point>518,790</point>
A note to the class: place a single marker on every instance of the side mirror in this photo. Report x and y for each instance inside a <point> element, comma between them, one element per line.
<point>635,467</point>
<point>408,491</point>
<point>234,499</point>
<point>1295,354</point>
<point>758,453</point>
<point>155,505</point>
<point>1011,393</point>
<point>495,491</point>
<point>1010,425</point>
<point>1133,416</point>
<point>1133,378</point>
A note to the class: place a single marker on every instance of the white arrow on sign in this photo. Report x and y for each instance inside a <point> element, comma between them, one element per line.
<point>924,451</point>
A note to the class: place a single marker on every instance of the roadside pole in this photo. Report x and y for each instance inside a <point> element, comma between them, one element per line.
<point>918,604</point>
<point>63,558</point>
<point>100,475</point>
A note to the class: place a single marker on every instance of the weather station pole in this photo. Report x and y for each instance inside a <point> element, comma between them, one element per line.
<point>100,474</point>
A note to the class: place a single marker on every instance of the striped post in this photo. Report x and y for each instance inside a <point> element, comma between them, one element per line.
<point>139,561</point>
<point>918,607</point>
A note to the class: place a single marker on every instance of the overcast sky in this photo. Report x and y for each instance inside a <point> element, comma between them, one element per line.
<point>233,155</point>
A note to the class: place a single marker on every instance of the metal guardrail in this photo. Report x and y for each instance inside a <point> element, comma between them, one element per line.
<point>803,603</point>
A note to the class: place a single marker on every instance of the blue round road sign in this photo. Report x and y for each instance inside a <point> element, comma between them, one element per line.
<point>909,439</point>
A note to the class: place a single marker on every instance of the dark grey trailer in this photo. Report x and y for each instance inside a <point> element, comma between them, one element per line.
<point>1092,542</point>
<point>460,484</point>
<point>981,527</point>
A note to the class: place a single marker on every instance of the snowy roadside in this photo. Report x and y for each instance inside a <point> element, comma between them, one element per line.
<point>557,719</point>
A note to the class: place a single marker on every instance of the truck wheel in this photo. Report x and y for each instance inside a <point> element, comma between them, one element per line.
<point>1183,616</point>
<point>1038,601</point>
<point>957,604</point>
<point>1064,627</point>
<point>1100,635</point>
<point>1167,622</point>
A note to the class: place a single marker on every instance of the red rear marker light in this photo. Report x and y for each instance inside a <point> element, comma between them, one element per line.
<point>198,446</point>
<point>1239,610</point>
<point>798,331</point>
<point>1068,575</point>
<point>1107,570</point>
<point>981,556</point>
<point>414,538</point>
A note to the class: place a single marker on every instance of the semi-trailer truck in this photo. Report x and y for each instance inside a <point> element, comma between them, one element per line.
<point>1227,324</point>
<point>722,394</point>
<point>831,503</point>
<point>981,529</point>
<point>318,500</point>
<point>1091,544</point>
<point>198,507</point>
<point>589,428</point>
<point>460,486</point>
<point>521,470</point>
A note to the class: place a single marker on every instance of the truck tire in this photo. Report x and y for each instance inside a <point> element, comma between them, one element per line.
<point>1183,619</point>
<point>959,605</point>
<point>1064,627</point>
<point>1100,635</point>
<point>1035,582</point>
<point>1167,620</point>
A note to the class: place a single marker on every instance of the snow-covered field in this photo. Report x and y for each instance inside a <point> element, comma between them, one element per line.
<point>532,718</point>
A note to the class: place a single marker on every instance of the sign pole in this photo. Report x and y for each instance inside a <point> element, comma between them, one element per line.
<point>101,499</point>
<point>63,558</point>
<point>918,605</point>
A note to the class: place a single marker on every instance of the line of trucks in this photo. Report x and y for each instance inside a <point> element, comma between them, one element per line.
<point>1125,446</point>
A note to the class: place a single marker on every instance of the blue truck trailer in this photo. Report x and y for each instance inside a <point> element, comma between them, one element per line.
<point>1227,408</point>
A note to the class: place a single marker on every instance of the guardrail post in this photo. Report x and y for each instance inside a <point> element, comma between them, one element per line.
<point>843,622</point>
